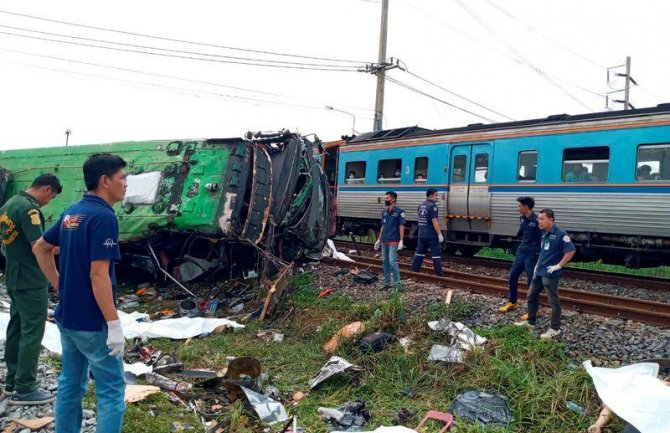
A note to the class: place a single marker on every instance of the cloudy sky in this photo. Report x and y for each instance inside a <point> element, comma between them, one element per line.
<point>514,59</point>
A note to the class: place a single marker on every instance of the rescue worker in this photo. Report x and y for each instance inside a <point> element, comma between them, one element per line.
<point>556,250</point>
<point>430,233</point>
<point>91,335</point>
<point>527,253</point>
<point>22,224</point>
<point>391,236</point>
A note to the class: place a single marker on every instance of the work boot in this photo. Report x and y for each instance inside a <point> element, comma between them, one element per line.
<point>36,397</point>
<point>508,306</point>
<point>524,324</point>
<point>551,333</point>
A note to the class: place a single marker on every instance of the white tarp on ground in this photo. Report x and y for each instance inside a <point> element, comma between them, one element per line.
<point>635,394</point>
<point>142,188</point>
<point>331,251</point>
<point>382,429</point>
<point>175,329</point>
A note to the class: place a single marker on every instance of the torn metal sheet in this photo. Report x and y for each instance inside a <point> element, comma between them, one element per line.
<point>462,337</point>
<point>334,366</point>
<point>269,410</point>
<point>260,196</point>
<point>142,188</point>
<point>445,354</point>
<point>482,408</point>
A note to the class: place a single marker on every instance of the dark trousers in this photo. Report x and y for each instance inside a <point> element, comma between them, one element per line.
<point>436,255</point>
<point>522,262</point>
<point>27,319</point>
<point>536,286</point>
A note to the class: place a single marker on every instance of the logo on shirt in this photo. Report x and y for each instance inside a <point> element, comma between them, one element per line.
<point>71,222</point>
<point>566,239</point>
<point>34,215</point>
<point>422,211</point>
<point>109,243</point>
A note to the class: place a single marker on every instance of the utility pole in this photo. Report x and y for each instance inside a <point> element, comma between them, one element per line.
<point>67,136</point>
<point>381,72</point>
<point>626,90</point>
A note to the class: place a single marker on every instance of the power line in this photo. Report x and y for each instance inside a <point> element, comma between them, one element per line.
<point>163,38</point>
<point>176,55</point>
<point>170,50</point>
<point>420,92</point>
<point>457,95</point>
<point>510,47</point>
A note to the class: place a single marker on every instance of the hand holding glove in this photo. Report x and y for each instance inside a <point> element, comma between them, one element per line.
<point>400,245</point>
<point>440,237</point>
<point>552,269</point>
<point>378,244</point>
<point>115,341</point>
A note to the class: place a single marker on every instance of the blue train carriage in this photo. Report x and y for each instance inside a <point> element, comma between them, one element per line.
<point>606,175</point>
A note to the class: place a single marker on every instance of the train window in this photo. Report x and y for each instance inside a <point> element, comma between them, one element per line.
<point>653,162</point>
<point>388,171</point>
<point>355,172</point>
<point>481,167</point>
<point>527,166</point>
<point>460,167</point>
<point>421,170</point>
<point>586,164</point>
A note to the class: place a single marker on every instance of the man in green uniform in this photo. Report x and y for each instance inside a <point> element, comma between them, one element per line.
<point>21,225</point>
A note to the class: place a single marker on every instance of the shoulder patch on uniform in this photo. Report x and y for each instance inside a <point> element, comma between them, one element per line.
<point>402,214</point>
<point>34,215</point>
<point>435,208</point>
<point>566,239</point>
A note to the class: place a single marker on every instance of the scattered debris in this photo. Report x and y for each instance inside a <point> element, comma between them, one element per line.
<point>394,429</point>
<point>331,251</point>
<point>365,277</point>
<point>403,415</point>
<point>270,335</point>
<point>335,365</point>
<point>462,339</point>
<point>299,396</point>
<point>35,424</point>
<point>376,342</point>
<point>405,342</point>
<point>136,393</point>
<point>325,292</point>
<point>445,354</point>
<point>348,417</point>
<point>447,298</point>
<point>166,383</point>
<point>574,407</point>
<point>188,308</point>
<point>345,333</point>
<point>482,408</point>
<point>269,410</point>
<point>408,392</point>
<point>445,418</point>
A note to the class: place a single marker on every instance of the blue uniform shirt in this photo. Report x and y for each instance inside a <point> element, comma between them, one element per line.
<point>87,231</point>
<point>555,243</point>
<point>531,235</point>
<point>427,211</point>
<point>391,221</point>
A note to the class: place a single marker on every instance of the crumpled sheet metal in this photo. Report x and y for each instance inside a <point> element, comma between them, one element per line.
<point>462,339</point>
<point>335,365</point>
<point>445,353</point>
<point>482,408</point>
<point>269,411</point>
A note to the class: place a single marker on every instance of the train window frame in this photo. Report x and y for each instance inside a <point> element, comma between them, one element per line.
<point>425,170</point>
<point>475,171</point>
<point>519,166</point>
<point>585,150</point>
<point>637,166</point>
<point>348,169</point>
<point>455,166</point>
<point>389,180</point>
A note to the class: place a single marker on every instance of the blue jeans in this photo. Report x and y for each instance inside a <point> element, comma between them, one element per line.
<point>522,262</point>
<point>81,350</point>
<point>390,261</point>
<point>425,244</point>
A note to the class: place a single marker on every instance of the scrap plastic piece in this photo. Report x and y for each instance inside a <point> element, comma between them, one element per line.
<point>377,341</point>
<point>139,392</point>
<point>482,408</point>
<point>335,365</point>
<point>270,411</point>
<point>349,417</point>
<point>635,394</point>
<point>445,418</point>
<point>331,251</point>
<point>445,353</point>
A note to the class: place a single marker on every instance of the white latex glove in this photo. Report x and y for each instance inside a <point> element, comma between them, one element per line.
<point>378,244</point>
<point>115,340</point>
<point>552,269</point>
<point>400,245</point>
<point>440,238</point>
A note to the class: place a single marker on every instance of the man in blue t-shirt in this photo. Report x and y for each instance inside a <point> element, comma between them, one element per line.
<point>528,251</point>
<point>430,233</point>
<point>556,250</point>
<point>391,237</point>
<point>91,335</point>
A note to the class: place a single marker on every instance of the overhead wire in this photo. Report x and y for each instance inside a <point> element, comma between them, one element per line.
<point>180,53</point>
<point>164,38</point>
<point>428,95</point>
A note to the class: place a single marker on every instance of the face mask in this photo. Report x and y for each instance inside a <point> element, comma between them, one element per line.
<point>387,202</point>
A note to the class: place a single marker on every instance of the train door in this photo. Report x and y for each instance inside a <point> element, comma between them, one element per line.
<point>469,200</point>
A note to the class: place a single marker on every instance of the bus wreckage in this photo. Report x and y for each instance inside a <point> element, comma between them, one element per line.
<point>197,206</point>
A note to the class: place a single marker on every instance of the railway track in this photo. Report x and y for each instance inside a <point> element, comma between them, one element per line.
<point>653,283</point>
<point>655,313</point>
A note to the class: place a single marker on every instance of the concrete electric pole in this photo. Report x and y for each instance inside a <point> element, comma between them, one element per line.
<point>381,72</point>
<point>626,90</point>
<point>67,136</point>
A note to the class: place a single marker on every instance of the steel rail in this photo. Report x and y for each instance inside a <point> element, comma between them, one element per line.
<point>655,313</point>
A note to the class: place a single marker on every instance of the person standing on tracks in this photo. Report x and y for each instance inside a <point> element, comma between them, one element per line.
<point>430,234</point>
<point>91,334</point>
<point>527,253</point>
<point>556,251</point>
<point>21,225</point>
<point>390,240</point>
